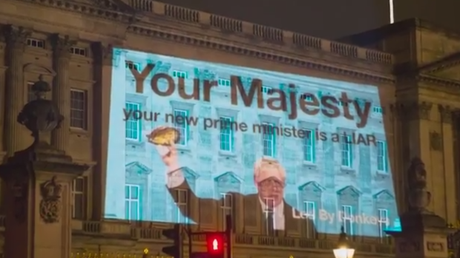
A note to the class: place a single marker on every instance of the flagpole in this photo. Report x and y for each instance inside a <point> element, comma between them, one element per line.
<point>392,14</point>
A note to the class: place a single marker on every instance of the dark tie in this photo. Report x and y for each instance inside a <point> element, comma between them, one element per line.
<point>270,220</point>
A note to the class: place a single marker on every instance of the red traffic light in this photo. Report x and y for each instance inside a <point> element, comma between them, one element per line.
<point>215,243</point>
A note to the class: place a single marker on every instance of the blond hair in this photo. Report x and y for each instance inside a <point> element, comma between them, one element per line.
<point>264,163</point>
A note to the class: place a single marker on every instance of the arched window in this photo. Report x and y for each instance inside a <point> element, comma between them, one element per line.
<point>309,205</point>
<point>348,201</point>
<point>228,185</point>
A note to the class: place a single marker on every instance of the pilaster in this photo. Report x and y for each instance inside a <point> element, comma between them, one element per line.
<point>447,147</point>
<point>61,88</point>
<point>415,126</point>
<point>103,59</point>
<point>16,40</point>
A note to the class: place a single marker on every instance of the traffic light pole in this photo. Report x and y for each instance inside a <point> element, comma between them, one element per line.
<point>229,234</point>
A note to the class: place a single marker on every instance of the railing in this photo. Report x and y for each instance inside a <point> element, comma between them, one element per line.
<point>265,33</point>
<point>152,233</point>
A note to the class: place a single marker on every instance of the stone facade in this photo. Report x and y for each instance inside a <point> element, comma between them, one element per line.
<point>40,37</point>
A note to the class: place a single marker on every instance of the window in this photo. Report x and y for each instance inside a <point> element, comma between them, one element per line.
<point>226,134</point>
<point>78,51</point>
<point>269,139</point>
<point>383,222</point>
<point>180,74</point>
<point>181,201</point>
<point>266,89</point>
<point>269,216</point>
<point>306,96</point>
<point>133,125</point>
<point>227,208</point>
<point>181,127</point>
<point>30,93</point>
<point>78,109</point>
<point>78,205</point>
<point>347,151</point>
<point>347,219</point>
<point>38,43</point>
<point>382,156</point>
<point>309,146</point>
<point>132,202</point>
<point>309,209</point>
<point>377,109</point>
<point>132,66</point>
<point>224,82</point>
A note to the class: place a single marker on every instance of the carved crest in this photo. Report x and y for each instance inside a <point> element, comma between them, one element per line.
<point>435,141</point>
<point>50,205</point>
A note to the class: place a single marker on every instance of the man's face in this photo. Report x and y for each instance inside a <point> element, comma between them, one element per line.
<point>273,190</point>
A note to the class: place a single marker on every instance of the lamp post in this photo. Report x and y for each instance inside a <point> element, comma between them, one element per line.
<point>343,249</point>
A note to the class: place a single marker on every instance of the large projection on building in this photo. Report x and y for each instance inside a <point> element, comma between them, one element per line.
<point>277,151</point>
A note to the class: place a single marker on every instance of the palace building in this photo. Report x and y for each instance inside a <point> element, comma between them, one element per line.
<point>356,112</point>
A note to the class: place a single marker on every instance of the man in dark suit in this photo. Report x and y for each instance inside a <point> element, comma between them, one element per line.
<point>269,178</point>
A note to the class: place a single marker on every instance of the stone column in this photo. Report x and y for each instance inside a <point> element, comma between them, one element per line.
<point>103,60</point>
<point>16,40</point>
<point>61,88</point>
<point>447,146</point>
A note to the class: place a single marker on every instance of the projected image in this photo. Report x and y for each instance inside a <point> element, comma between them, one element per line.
<point>192,141</point>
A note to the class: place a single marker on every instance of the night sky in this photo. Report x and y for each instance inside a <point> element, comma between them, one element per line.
<point>329,18</point>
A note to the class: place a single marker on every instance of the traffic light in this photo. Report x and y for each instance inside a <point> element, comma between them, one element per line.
<point>175,234</point>
<point>215,243</point>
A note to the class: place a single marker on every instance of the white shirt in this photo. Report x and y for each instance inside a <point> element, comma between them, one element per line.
<point>278,216</point>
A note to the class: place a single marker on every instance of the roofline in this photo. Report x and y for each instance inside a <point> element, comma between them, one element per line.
<point>374,35</point>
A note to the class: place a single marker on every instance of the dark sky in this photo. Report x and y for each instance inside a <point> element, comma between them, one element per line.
<point>327,18</point>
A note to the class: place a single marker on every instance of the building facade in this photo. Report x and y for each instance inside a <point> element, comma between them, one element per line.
<point>72,46</point>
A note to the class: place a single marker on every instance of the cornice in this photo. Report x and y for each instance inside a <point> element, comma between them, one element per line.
<point>258,52</point>
<point>442,64</point>
<point>281,53</point>
<point>438,81</point>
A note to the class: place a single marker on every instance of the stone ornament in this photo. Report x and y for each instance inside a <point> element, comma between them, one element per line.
<point>408,247</point>
<point>435,246</point>
<point>50,205</point>
<point>412,110</point>
<point>418,196</point>
<point>16,37</point>
<point>40,116</point>
<point>435,141</point>
<point>61,45</point>
<point>446,114</point>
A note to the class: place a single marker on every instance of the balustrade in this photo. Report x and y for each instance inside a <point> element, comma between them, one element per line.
<point>265,33</point>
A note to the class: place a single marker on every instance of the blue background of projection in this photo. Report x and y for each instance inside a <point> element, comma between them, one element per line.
<point>353,180</point>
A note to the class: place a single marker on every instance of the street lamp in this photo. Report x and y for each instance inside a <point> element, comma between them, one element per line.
<point>343,249</point>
